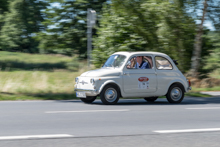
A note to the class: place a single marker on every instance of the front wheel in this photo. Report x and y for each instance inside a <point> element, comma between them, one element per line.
<point>175,93</point>
<point>88,99</point>
<point>150,99</point>
<point>109,95</point>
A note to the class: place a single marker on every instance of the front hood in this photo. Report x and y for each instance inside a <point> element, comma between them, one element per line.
<point>102,72</point>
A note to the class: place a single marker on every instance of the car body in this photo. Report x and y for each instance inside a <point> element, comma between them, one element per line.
<point>121,77</point>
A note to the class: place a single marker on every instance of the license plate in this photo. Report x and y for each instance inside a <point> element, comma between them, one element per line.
<point>81,94</point>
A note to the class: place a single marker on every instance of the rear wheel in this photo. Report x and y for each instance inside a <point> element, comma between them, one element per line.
<point>150,99</point>
<point>175,93</point>
<point>88,99</point>
<point>110,95</point>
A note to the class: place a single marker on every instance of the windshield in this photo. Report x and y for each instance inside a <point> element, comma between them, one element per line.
<point>115,61</point>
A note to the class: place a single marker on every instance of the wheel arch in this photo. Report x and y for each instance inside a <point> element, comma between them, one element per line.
<point>111,82</point>
<point>179,83</point>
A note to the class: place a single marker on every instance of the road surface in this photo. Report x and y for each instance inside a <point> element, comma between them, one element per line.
<point>132,122</point>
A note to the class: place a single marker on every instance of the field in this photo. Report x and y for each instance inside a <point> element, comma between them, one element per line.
<point>27,76</point>
<point>43,77</point>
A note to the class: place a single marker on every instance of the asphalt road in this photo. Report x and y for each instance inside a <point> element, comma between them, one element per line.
<point>132,122</point>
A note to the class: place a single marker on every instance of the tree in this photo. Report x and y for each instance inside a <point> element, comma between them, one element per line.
<point>3,8</point>
<point>152,25</point>
<point>197,45</point>
<point>213,59</point>
<point>20,25</point>
<point>211,12</point>
<point>66,27</point>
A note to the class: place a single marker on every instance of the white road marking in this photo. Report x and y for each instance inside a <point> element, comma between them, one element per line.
<point>188,130</point>
<point>35,136</point>
<point>205,108</point>
<point>80,111</point>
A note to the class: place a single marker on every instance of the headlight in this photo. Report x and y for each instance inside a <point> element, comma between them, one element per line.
<point>92,81</point>
<point>76,80</point>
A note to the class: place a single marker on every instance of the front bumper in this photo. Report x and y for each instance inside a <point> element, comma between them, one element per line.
<point>89,92</point>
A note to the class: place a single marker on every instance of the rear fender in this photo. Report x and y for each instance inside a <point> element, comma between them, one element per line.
<point>177,82</point>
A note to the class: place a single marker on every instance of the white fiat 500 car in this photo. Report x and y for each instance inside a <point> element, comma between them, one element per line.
<point>133,74</point>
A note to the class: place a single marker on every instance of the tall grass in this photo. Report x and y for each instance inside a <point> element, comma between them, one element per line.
<point>27,76</point>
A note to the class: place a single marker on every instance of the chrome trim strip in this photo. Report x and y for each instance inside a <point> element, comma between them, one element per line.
<point>89,90</point>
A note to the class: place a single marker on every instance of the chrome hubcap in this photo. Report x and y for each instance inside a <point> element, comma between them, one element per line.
<point>110,94</point>
<point>176,93</point>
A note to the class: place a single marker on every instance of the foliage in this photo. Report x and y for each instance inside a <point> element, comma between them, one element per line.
<point>20,25</point>
<point>195,9</point>
<point>213,59</point>
<point>3,6</point>
<point>202,10</point>
<point>66,27</point>
<point>145,26</point>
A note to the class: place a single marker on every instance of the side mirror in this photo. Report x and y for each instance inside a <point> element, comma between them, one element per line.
<point>175,61</point>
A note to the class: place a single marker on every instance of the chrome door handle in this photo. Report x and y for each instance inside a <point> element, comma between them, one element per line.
<point>125,73</point>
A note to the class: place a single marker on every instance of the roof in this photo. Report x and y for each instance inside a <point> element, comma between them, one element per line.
<point>140,52</point>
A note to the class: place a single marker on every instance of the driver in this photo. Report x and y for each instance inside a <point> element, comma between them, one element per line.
<point>141,64</point>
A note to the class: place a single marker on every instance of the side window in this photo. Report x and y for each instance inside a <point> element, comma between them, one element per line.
<point>163,63</point>
<point>140,62</point>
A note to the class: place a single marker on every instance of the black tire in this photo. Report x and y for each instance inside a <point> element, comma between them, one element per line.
<point>110,95</point>
<point>150,99</point>
<point>88,99</point>
<point>175,93</point>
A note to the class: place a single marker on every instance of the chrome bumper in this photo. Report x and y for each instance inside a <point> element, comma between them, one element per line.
<point>189,88</point>
<point>89,92</point>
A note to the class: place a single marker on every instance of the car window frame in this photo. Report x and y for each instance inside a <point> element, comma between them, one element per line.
<point>164,58</point>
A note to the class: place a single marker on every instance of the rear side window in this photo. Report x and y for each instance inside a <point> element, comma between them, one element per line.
<point>163,63</point>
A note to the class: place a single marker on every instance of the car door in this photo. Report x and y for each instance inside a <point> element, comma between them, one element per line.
<point>139,80</point>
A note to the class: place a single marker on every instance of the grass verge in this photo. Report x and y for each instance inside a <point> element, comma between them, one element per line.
<point>216,88</point>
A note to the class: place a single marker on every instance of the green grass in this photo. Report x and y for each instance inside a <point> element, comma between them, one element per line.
<point>37,81</point>
<point>13,61</point>
<point>46,77</point>
<point>33,58</point>
<point>217,88</point>
<point>37,85</point>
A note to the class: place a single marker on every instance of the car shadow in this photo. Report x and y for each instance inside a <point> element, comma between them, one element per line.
<point>163,101</point>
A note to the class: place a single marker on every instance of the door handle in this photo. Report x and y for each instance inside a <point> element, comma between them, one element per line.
<point>125,73</point>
